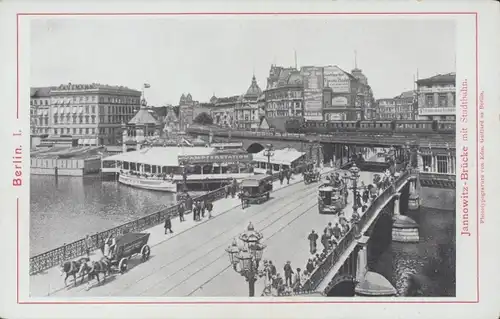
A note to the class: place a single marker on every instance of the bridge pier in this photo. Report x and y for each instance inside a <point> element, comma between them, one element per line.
<point>369,283</point>
<point>414,199</point>
<point>404,228</point>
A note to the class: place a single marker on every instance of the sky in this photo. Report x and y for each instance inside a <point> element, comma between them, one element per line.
<point>207,55</point>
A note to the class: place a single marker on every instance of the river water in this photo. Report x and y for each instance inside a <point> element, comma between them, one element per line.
<point>66,210</point>
<point>426,268</point>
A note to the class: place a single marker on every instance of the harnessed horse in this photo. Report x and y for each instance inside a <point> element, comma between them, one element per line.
<point>72,268</point>
<point>94,268</point>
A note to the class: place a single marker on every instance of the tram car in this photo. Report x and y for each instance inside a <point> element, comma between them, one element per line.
<point>332,198</point>
<point>255,189</point>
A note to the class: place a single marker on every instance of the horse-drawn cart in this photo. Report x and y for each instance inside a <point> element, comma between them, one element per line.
<point>311,177</point>
<point>127,246</point>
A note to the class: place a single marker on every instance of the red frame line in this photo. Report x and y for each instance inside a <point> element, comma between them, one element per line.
<point>18,15</point>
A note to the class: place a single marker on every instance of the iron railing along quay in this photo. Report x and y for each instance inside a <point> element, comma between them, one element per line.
<point>78,248</point>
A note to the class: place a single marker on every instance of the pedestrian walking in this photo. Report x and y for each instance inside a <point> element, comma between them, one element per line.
<point>281,177</point>
<point>329,229</point>
<point>336,231</point>
<point>324,239</point>
<point>203,207</point>
<point>310,266</point>
<point>272,268</point>
<point>168,225</point>
<point>89,244</point>
<point>288,176</point>
<point>313,237</point>
<point>297,285</point>
<point>288,274</point>
<point>181,209</point>
<point>210,207</point>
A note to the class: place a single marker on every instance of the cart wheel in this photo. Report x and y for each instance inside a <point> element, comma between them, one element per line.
<point>145,251</point>
<point>122,265</point>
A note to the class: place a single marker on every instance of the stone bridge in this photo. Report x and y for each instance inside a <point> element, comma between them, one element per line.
<point>346,271</point>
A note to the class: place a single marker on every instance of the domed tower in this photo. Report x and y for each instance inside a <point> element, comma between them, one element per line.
<point>254,91</point>
<point>182,99</point>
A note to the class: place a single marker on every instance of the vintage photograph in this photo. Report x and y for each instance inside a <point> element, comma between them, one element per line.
<point>176,156</point>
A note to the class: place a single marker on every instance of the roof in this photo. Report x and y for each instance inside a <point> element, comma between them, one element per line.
<point>40,91</point>
<point>277,123</point>
<point>94,86</point>
<point>161,156</point>
<point>254,90</point>
<point>144,116</point>
<point>284,156</point>
<point>230,99</point>
<point>325,188</point>
<point>405,95</point>
<point>439,78</point>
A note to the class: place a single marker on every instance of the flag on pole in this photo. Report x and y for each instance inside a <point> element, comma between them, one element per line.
<point>147,86</point>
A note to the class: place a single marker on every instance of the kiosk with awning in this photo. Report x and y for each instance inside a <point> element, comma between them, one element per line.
<point>281,159</point>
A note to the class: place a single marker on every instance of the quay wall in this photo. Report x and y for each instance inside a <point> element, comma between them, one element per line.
<point>438,198</point>
<point>65,166</point>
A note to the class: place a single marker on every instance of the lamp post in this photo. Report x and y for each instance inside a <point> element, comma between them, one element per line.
<point>269,152</point>
<point>245,259</point>
<point>353,176</point>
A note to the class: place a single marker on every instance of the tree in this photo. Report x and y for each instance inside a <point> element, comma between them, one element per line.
<point>203,119</point>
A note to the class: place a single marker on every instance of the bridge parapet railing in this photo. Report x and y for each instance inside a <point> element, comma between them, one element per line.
<point>79,247</point>
<point>325,266</point>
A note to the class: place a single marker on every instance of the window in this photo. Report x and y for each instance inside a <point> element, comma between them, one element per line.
<point>55,131</point>
<point>93,109</point>
<point>46,102</point>
<point>55,119</point>
<point>93,130</point>
<point>442,164</point>
<point>427,162</point>
<point>429,100</point>
<point>87,130</point>
<point>93,119</point>
<point>74,130</point>
<point>443,100</point>
<point>86,109</point>
<point>80,130</point>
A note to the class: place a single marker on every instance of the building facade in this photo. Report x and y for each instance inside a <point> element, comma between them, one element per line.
<point>39,110</point>
<point>223,111</point>
<point>186,111</point>
<point>386,109</point>
<point>91,112</point>
<point>437,97</point>
<point>246,111</point>
<point>284,94</point>
<point>401,107</point>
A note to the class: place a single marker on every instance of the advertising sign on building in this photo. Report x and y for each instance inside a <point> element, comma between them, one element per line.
<point>335,116</point>
<point>336,79</point>
<point>340,101</point>
<point>312,77</point>
<point>208,159</point>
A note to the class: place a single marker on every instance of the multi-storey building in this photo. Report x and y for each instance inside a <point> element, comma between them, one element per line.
<point>222,112</point>
<point>406,106</point>
<point>436,97</point>
<point>386,109</point>
<point>39,110</point>
<point>246,111</point>
<point>401,107</point>
<point>186,111</point>
<point>91,112</point>
<point>284,94</point>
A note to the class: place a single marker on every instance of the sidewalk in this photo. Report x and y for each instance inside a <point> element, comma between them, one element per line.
<point>50,280</point>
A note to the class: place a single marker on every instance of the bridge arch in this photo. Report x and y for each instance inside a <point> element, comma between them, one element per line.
<point>255,148</point>
<point>341,286</point>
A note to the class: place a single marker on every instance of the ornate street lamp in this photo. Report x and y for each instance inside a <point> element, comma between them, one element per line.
<point>245,260</point>
<point>269,152</point>
<point>353,176</point>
